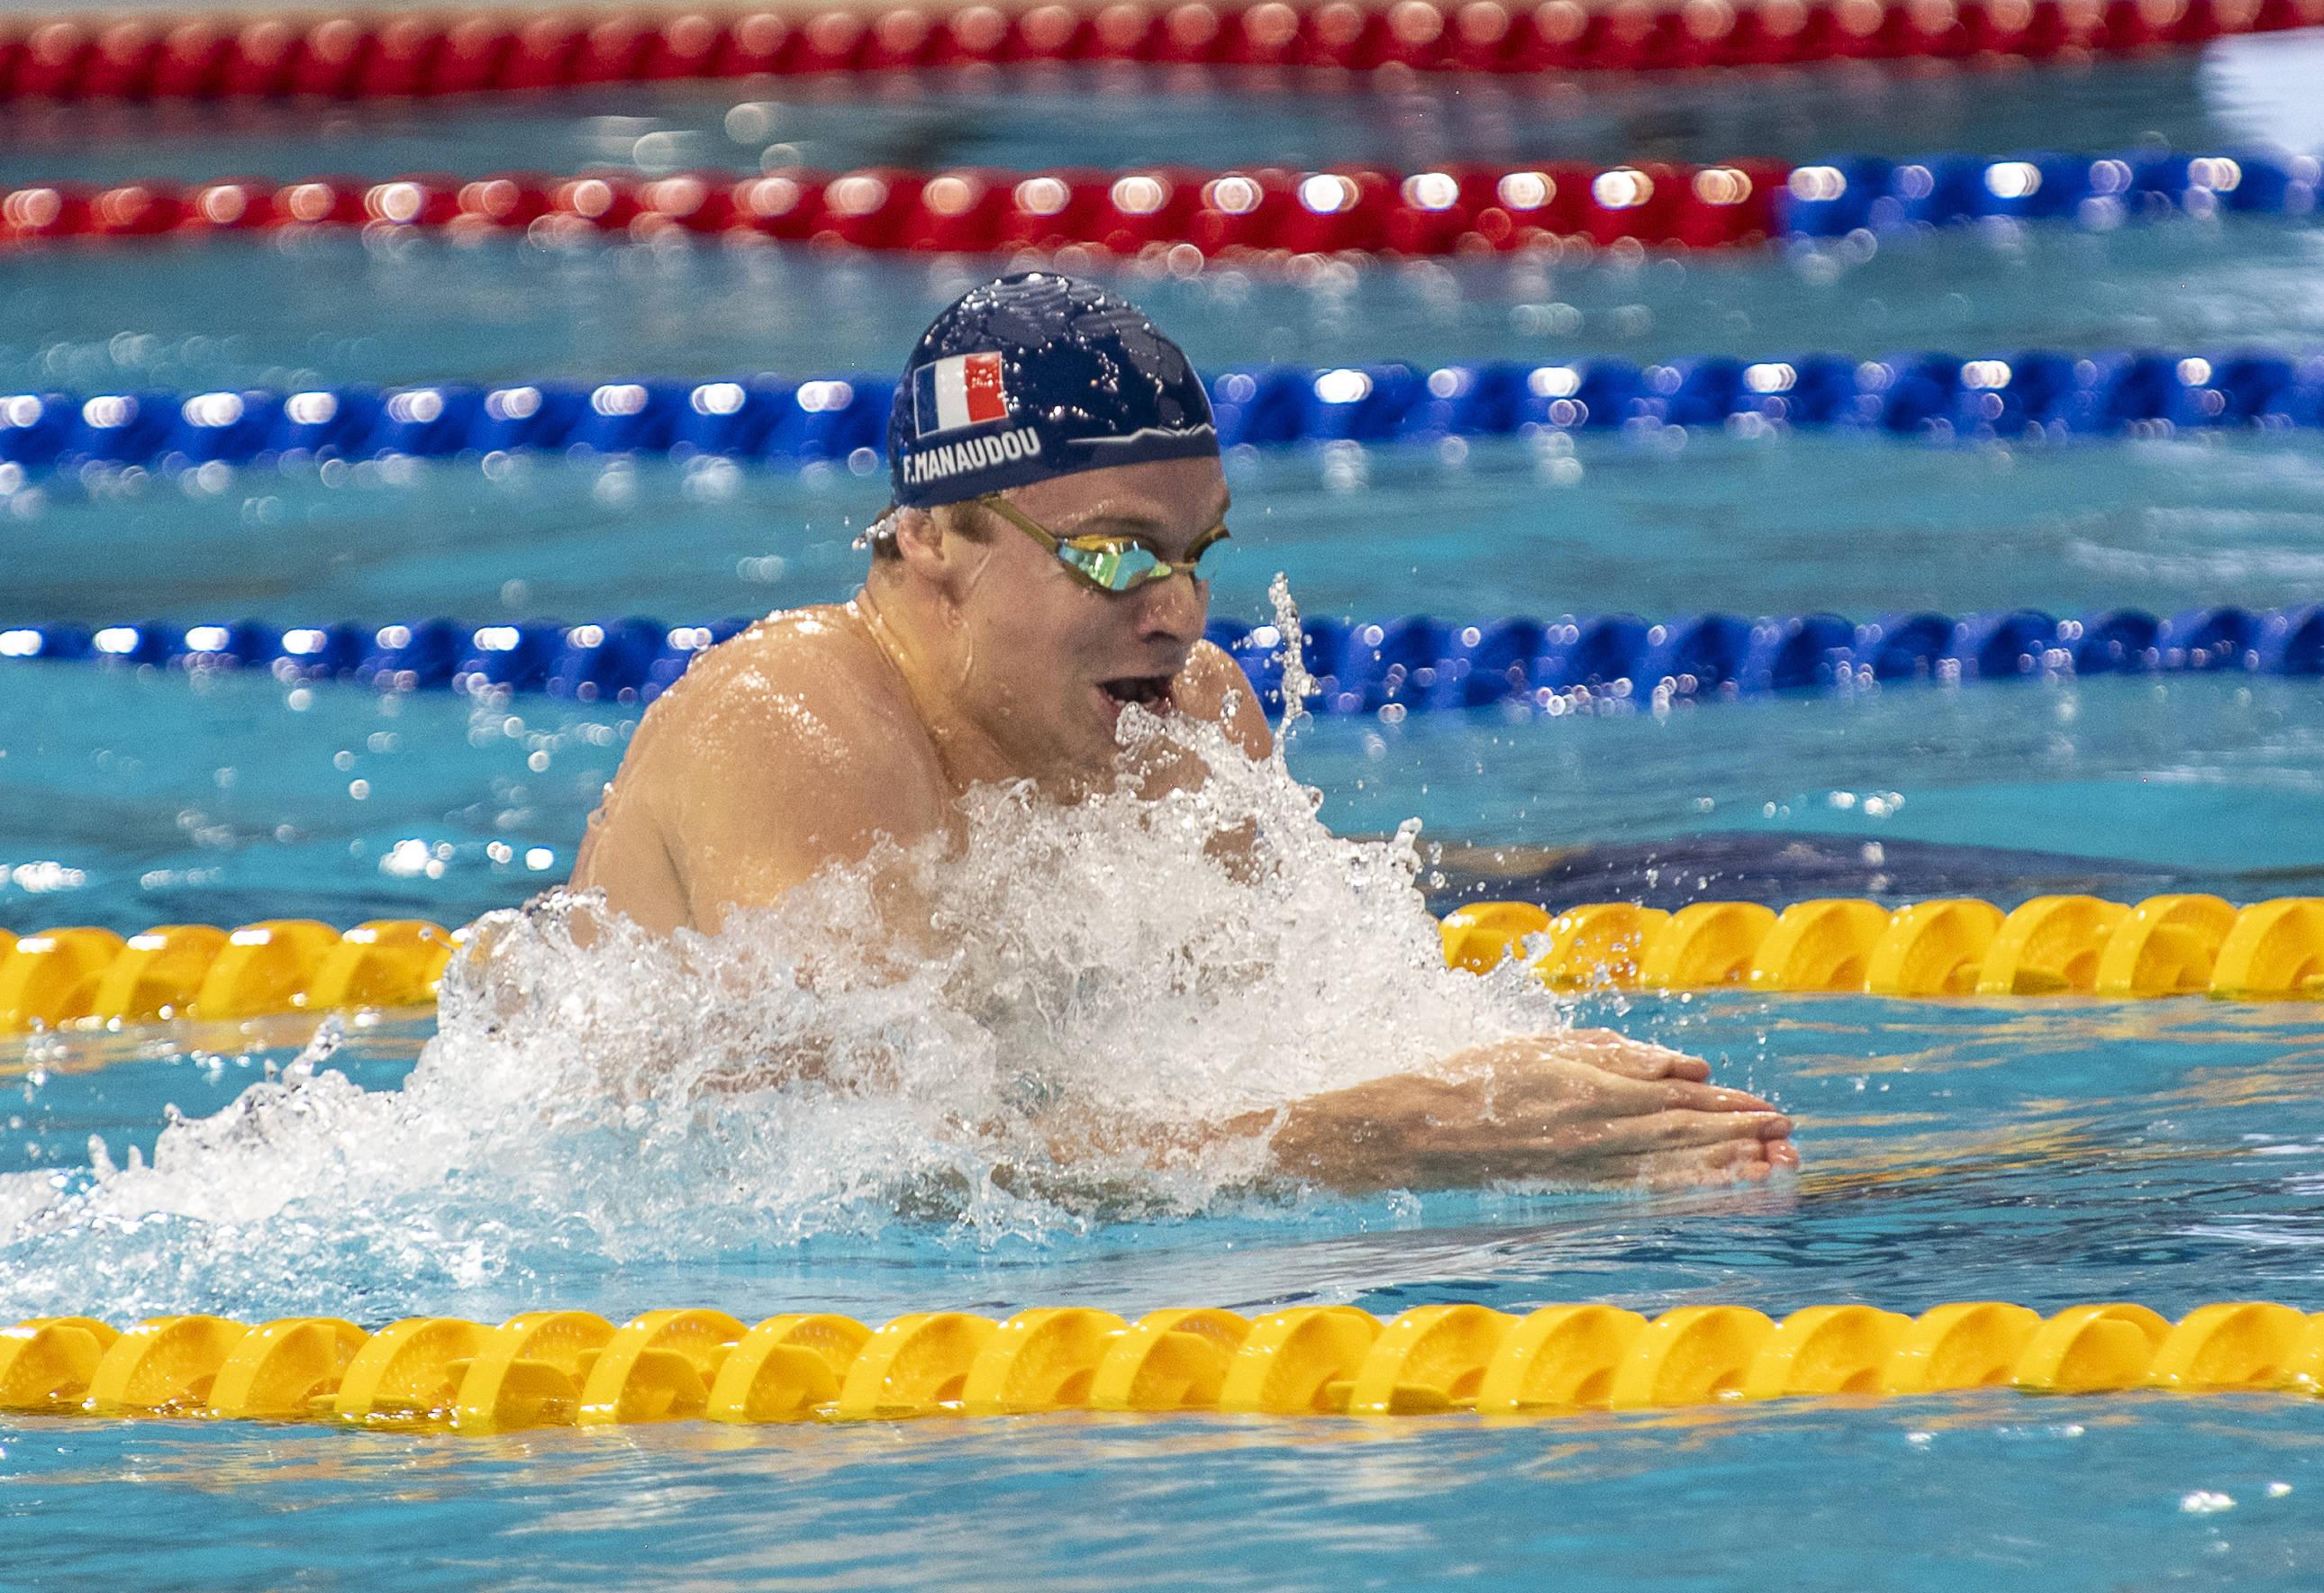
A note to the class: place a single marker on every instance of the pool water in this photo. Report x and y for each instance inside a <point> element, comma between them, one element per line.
<point>2048,1152</point>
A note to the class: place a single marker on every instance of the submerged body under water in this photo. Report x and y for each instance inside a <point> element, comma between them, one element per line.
<point>1783,867</point>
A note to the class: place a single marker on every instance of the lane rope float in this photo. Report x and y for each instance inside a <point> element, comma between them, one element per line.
<point>2031,395</point>
<point>1254,213</point>
<point>373,56</point>
<point>88,977</point>
<point>2052,946</point>
<point>566,1368</point>
<point>1393,666</point>
<point>2167,945</point>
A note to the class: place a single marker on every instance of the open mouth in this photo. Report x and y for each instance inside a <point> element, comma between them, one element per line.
<point>1147,691</point>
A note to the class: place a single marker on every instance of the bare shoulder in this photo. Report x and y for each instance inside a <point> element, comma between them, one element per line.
<point>802,703</point>
<point>1214,686</point>
<point>819,655</point>
<point>786,748</point>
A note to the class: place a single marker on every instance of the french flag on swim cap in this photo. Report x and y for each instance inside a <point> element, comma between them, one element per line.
<point>962,390</point>
<point>1036,376</point>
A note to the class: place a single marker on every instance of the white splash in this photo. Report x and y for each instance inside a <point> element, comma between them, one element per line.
<point>1298,685</point>
<point>1105,981</point>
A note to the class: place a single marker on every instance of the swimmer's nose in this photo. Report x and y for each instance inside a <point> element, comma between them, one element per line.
<point>1173,608</point>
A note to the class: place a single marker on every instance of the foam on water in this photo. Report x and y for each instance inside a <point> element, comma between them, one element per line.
<point>1105,980</point>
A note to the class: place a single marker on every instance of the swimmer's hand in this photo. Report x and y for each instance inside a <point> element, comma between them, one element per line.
<point>1589,1107</point>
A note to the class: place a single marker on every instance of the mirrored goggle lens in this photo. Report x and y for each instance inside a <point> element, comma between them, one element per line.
<point>1115,566</point>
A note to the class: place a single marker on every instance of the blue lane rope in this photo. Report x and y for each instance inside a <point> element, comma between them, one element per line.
<point>1837,196</point>
<point>1410,663</point>
<point>2007,396</point>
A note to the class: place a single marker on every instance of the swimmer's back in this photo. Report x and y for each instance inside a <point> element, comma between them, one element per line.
<point>791,746</point>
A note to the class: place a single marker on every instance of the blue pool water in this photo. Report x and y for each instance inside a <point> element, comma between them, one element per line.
<point>2048,1152</point>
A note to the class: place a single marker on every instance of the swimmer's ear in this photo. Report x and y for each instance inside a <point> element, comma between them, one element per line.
<point>939,544</point>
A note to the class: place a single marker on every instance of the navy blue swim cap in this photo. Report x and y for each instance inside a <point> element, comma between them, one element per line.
<point>1034,376</point>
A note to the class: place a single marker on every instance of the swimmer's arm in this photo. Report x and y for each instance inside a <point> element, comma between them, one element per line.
<point>623,854</point>
<point>1587,1107</point>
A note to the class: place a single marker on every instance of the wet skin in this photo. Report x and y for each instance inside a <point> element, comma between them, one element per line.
<point>974,656</point>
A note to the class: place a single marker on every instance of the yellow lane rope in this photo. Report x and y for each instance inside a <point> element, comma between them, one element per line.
<point>573,1367</point>
<point>93,977</point>
<point>2166,945</point>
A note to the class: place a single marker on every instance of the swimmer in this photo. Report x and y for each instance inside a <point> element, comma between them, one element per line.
<point>1057,486</point>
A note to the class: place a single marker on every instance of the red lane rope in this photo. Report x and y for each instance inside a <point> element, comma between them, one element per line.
<point>384,56</point>
<point>1460,209</point>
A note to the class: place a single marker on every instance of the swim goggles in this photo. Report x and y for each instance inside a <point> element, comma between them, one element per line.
<point>1110,564</point>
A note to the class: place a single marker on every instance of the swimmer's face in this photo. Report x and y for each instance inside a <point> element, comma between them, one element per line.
<point>1054,660</point>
